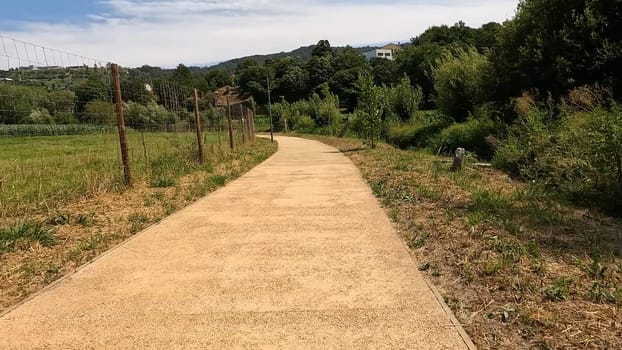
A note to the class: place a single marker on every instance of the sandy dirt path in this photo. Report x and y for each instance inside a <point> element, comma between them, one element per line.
<point>295,254</point>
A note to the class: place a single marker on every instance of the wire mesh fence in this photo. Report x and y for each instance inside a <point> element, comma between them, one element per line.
<point>60,127</point>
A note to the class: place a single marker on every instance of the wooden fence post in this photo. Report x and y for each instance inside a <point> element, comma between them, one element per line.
<point>197,118</point>
<point>127,173</point>
<point>253,119</point>
<point>242,123</point>
<point>231,145</point>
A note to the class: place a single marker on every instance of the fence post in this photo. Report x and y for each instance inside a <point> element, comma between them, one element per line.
<point>253,112</point>
<point>242,123</point>
<point>121,122</point>
<point>230,124</point>
<point>197,118</point>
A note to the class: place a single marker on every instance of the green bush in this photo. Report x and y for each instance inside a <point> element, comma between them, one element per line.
<point>576,154</point>
<point>414,135</point>
<point>470,135</point>
<point>152,115</point>
<point>461,78</point>
<point>303,124</point>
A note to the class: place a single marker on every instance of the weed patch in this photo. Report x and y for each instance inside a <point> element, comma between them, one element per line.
<point>14,237</point>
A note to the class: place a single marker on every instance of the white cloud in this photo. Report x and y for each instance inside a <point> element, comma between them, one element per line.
<point>168,32</point>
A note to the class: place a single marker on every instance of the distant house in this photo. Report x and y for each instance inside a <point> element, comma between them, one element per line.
<point>387,52</point>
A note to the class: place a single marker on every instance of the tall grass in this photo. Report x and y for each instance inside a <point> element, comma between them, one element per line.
<point>36,172</point>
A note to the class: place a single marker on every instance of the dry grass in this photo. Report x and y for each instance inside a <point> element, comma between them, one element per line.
<point>85,228</point>
<point>519,268</point>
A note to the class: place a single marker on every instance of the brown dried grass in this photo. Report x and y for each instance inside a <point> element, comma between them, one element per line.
<point>499,267</point>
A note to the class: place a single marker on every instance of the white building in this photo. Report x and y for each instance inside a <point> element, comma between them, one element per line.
<point>380,53</point>
<point>387,52</point>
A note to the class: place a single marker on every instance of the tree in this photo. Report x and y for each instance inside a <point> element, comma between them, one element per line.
<point>91,89</point>
<point>183,76</point>
<point>554,46</point>
<point>290,78</point>
<point>348,65</point>
<point>99,112</point>
<point>461,81</point>
<point>322,49</point>
<point>383,71</point>
<point>320,70</point>
<point>444,35</point>
<point>217,78</point>
<point>404,99</point>
<point>134,89</point>
<point>488,37</point>
<point>419,63</point>
<point>251,77</point>
<point>369,109</point>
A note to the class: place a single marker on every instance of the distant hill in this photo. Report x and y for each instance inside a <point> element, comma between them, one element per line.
<point>304,53</point>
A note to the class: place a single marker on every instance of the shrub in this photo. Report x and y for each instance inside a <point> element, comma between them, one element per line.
<point>404,99</point>
<point>99,112</point>
<point>39,116</point>
<point>577,154</point>
<point>414,135</point>
<point>144,116</point>
<point>470,135</point>
<point>303,124</point>
<point>460,82</point>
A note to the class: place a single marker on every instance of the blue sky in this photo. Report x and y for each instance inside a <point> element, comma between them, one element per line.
<point>168,32</point>
<point>16,11</point>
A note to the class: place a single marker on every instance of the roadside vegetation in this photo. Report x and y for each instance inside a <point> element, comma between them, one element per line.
<point>519,267</point>
<point>536,97</point>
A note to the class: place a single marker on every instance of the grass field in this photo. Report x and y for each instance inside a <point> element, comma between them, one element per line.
<point>39,172</point>
<point>64,202</point>
<point>520,268</point>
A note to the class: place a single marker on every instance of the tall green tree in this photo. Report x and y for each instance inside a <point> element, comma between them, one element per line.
<point>349,64</point>
<point>555,45</point>
<point>383,71</point>
<point>370,109</point>
<point>251,77</point>
<point>290,78</point>
<point>183,76</point>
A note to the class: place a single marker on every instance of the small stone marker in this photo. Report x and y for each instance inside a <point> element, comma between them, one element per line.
<point>459,159</point>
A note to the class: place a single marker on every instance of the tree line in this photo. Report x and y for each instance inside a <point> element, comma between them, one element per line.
<point>537,94</point>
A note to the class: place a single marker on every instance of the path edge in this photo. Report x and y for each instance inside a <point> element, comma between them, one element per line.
<point>437,295</point>
<point>114,248</point>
